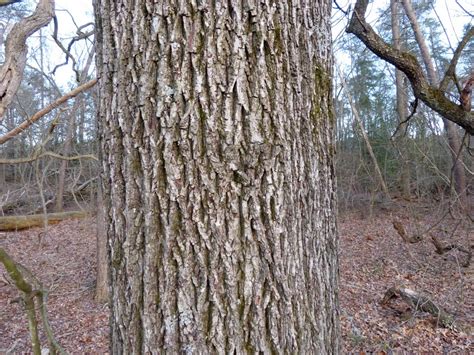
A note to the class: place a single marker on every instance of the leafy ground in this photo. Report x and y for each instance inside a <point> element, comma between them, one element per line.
<point>372,259</point>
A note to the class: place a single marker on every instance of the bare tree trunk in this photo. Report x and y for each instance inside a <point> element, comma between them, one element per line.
<point>216,123</point>
<point>365,137</point>
<point>66,152</point>
<point>454,141</point>
<point>402,109</point>
<point>71,130</point>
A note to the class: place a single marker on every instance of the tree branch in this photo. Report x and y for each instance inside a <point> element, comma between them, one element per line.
<point>432,96</point>
<point>25,124</point>
<point>46,154</point>
<point>450,72</point>
<point>419,302</point>
<point>16,50</point>
<point>29,293</point>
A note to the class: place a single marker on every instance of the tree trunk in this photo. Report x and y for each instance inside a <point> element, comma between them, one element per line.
<point>70,134</point>
<point>401,139</point>
<point>365,137</point>
<point>454,141</point>
<point>216,123</point>
<point>102,283</point>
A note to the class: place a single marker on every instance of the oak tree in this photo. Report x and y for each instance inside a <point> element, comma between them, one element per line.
<point>216,126</point>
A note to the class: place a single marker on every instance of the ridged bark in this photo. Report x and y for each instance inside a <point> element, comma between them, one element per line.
<point>216,123</point>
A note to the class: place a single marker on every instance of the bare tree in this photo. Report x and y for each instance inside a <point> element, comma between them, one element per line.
<point>454,141</point>
<point>402,105</point>
<point>71,127</point>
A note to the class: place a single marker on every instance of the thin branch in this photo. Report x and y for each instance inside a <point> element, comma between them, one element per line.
<point>38,115</point>
<point>450,72</point>
<point>403,123</point>
<point>346,13</point>
<point>80,35</point>
<point>46,154</point>
<point>463,9</point>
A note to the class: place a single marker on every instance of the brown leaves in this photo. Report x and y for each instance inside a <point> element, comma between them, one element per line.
<point>373,258</point>
<point>65,263</point>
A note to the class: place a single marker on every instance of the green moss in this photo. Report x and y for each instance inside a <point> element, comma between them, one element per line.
<point>135,165</point>
<point>202,115</point>
<point>322,90</point>
<point>278,40</point>
<point>118,256</point>
<point>176,221</point>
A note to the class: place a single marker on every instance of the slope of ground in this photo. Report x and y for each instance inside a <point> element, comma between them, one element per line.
<point>372,259</point>
<point>63,259</point>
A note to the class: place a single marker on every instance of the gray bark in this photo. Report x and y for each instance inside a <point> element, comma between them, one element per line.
<point>102,283</point>
<point>216,123</point>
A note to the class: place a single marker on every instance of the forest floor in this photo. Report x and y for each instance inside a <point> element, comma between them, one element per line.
<point>373,258</point>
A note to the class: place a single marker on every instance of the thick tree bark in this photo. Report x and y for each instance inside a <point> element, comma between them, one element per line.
<point>216,124</point>
<point>102,283</point>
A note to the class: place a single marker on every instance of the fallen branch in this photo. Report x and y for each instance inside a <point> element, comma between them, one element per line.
<point>441,249</point>
<point>12,223</point>
<point>38,155</point>
<point>419,302</point>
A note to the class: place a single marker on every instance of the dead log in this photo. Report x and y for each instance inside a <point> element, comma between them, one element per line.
<point>441,249</point>
<point>12,223</point>
<point>419,303</point>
